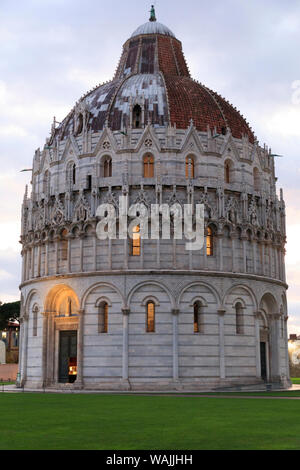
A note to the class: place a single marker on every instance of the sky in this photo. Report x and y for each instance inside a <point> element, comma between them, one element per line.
<point>53,51</point>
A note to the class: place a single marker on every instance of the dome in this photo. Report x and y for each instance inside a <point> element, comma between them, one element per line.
<point>153,27</point>
<point>153,72</point>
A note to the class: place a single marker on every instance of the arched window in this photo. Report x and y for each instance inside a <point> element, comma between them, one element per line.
<point>136,241</point>
<point>137,117</point>
<point>74,174</point>
<point>227,172</point>
<point>148,166</point>
<point>64,246</point>
<point>103,318</point>
<point>209,242</point>
<point>107,167</point>
<point>239,318</point>
<point>150,314</point>
<point>189,167</point>
<point>79,123</point>
<point>35,312</point>
<point>198,320</point>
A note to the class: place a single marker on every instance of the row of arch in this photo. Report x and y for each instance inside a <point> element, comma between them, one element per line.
<point>60,292</point>
<point>105,171</point>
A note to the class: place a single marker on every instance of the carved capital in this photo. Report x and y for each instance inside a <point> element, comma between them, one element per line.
<point>221,312</point>
<point>175,311</point>
<point>126,311</point>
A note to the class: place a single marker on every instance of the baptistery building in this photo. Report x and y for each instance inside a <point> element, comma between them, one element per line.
<point>144,313</point>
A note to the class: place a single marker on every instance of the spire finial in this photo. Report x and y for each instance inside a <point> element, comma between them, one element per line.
<point>152,14</point>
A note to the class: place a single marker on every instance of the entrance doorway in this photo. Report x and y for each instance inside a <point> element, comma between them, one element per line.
<point>67,356</point>
<point>263,360</point>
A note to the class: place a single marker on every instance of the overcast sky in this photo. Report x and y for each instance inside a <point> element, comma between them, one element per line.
<point>53,51</point>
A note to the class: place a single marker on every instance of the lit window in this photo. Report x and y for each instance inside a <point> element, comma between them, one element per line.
<point>136,241</point>
<point>197,318</point>
<point>209,242</point>
<point>189,167</point>
<point>148,166</point>
<point>150,317</point>
<point>103,318</point>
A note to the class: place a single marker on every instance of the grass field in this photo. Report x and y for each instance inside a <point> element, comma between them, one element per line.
<point>295,380</point>
<point>111,422</point>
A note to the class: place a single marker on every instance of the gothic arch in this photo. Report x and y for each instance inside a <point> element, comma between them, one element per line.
<point>58,295</point>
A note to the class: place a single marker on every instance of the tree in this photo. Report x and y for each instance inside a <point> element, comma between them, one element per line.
<point>9,312</point>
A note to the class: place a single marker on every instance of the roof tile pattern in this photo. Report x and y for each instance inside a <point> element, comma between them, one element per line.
<point>153,73</point>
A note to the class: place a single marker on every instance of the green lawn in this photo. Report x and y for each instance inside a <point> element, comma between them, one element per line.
<point>295,380</point>
<point>111,422</point>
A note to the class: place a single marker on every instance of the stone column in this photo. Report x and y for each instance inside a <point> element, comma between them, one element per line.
<point>44,356</point>
<point>254,249</point>
<point>221,314</point>
<point>81,254</point>
<point>275,347</point>
<point>95,251</point>
<point>32,261</point>
<point>263,258</point>
<point>205,253</point>
<point>244,241</point>
<point>39,261</point>
<point>286,348</point>
<point>23,377</point>
<point>79,379</point>
<point>125,355</point>
<point>220,239</point>
<point>234,253</point>
<point>257,344</point>
<point>50,350</point>
<point>56,255</point>
<point>69,254</point>
<point>46,269</point>
<point>175,313</point>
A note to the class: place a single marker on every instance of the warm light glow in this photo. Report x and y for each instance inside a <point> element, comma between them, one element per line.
<point>72,370</point>
<point>150,317</point>
<point>189,167</point>
<point>209,242</point>
<point>148,166</point>
<point>136,241</point>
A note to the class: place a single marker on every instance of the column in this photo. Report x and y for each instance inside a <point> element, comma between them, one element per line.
<point>21,352</point>
<point>95,251</point>
<point>263,258</point>
<point>46,258</point>
<point>56,256</point>
<point>24,352</point>
<point>244,240</point>
<point>44,358</point>
<point>175,313</point>
<point>39,261</point>
<point>234,252</point>
<point>221,314</point>
<point>81,254</point>
<point>286,348</point>
<point>69,255</point>
<point>125,354</point>
<point>275,347</point>
<point>257,344</point>
<point>79,379</point>
<point>220,241</point>
<point>254,248</point>
<point>32,262</point>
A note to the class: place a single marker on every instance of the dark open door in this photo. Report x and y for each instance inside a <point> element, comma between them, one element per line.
<point>263,361</point>
<point>67,356</point>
